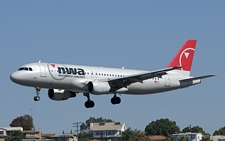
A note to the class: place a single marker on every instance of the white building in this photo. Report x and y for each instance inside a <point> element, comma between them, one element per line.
<point>189,135</point>
<point>65,137</point>
<point>107,131</point>
<point>217,138</point>
<point>5,131</point>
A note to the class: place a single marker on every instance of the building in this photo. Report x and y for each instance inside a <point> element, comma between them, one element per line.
<point>6,131</point>
<point>46,136</point>
<point>189,135</point>
<point>107,131</point>
<point>217,138</point>
<point>32,134</point>
<point>157,138</point>
<point>65,137</point>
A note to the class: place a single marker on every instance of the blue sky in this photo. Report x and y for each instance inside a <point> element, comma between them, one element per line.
<point>138,35</point>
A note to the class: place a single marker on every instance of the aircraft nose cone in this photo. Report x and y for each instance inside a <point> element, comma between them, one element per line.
<point>14,77</point>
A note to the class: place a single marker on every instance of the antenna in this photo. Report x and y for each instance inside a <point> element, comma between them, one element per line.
<point>31,110</point>
<point>39,61</point>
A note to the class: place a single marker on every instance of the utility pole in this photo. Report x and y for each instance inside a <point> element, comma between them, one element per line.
<point>76,125</point>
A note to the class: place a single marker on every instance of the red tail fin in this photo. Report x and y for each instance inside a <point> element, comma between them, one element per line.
<point>184,56</point>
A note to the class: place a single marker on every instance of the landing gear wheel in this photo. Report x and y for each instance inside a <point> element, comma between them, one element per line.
<point>89,104</point>
<point>36,98</point>
<point>115,100</point>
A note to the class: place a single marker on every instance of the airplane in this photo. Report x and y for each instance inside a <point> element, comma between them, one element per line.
<point>64,81</point>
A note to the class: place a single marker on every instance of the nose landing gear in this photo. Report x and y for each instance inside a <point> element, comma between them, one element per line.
<point>37,97</point>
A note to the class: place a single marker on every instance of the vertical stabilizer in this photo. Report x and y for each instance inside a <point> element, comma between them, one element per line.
<point>185,56</point>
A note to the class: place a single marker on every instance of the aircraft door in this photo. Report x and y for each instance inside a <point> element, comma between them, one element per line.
<point>167,80</point>
<point>42,70</point>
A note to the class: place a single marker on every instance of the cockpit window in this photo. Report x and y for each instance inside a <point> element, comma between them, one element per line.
<point>25,68</point>
<point>20,69</point>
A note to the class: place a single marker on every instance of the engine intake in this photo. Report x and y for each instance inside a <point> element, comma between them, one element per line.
<point>96,87</point>
<point>59,95</point>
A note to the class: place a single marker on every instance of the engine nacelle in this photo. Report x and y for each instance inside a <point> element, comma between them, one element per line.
<point>96,87</point>
<point>59,95</point>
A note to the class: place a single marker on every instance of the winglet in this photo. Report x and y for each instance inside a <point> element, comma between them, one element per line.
<point>184,57</point>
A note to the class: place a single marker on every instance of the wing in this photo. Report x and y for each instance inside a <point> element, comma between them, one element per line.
<point>121,82</point>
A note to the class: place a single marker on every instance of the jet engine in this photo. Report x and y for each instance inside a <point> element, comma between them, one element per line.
<point>96,87</point>
<point>59,95</point>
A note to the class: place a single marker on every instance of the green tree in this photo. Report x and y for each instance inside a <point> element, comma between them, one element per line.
<point>133,135</point>
<point>186,129</point>
<point>194,129</point>
<point>221,131</point>
<point>184,138</point>
<point>206,137</point>
<point>84,136</point>
<point>15,136</point>
<point>162,127</point>
<point>170,138</point>
<point>25,121</point>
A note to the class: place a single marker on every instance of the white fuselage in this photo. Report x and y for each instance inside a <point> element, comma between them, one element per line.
<point>74,78</point>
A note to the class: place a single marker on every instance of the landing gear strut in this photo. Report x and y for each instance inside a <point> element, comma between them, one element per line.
<point>89,103</point>
<point>115,100</point>
<point>37,97</point>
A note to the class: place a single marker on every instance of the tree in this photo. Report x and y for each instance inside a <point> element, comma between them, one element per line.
<point>170,138</point>
<point>194,129</point>
<point>186,129</point>
<point>162,127</point>
<point>25,121</point>
<point>221,131</point>
<point>133,135</point>
<point>206,137</point>
<point>84,136</point>
<point>15,136</point>
<point>184,138</point>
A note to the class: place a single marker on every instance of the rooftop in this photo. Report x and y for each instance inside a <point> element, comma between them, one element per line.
<point>107,126</point>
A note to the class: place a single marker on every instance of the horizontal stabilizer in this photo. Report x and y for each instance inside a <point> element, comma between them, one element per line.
<point>199,77</point>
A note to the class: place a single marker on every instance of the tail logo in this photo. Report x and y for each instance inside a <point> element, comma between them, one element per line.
<point>185,58</point>
<point>186,54</point>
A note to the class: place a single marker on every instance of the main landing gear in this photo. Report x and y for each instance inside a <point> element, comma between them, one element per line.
<point>37,97</point>
<point>115,100</point>
<point>89,103</point>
